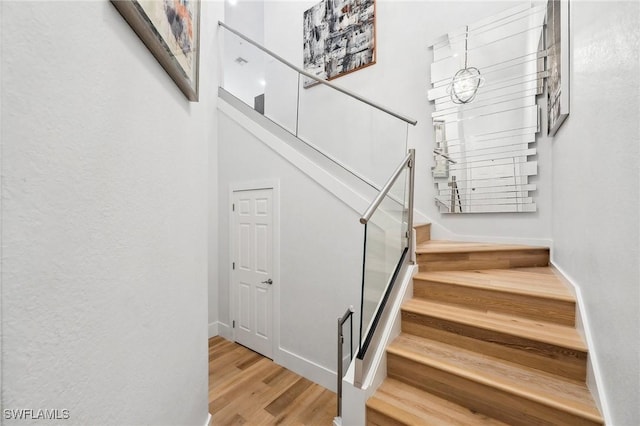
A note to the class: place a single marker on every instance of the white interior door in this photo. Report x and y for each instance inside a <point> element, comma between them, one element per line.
<point>253,269</point>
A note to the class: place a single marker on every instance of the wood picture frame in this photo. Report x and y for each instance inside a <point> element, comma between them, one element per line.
<point>171,31</point>
<point>339,37</point>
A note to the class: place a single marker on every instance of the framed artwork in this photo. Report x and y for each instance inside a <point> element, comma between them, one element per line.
<point>171,31</point>
<point>339,38</point>
<point>557,37</point>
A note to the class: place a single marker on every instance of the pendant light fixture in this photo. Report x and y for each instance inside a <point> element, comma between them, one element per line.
<point>466,82</point>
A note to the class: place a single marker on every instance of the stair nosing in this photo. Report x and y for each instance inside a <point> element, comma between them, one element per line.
<point>498,384</point>
<point>454,316</point>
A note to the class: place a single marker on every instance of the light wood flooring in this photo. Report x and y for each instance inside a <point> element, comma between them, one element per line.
<point>246,388</point>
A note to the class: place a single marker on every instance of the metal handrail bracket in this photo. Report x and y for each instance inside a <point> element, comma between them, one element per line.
<point>318,79</point>
<point>406,162</point>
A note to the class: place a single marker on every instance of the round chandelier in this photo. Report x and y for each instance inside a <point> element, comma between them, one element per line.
<point>466,82</point>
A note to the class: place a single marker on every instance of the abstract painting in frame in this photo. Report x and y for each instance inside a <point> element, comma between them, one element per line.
<point>557,37</point>
<point>339,38</point>
<point>171,31</point>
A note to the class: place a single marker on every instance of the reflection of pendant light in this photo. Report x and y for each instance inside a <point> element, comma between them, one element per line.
<point>466,82</point>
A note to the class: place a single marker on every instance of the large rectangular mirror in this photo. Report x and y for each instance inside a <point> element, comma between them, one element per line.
<point>485,78</point>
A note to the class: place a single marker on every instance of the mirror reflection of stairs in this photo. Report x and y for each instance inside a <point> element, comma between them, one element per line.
<point>488,338</point>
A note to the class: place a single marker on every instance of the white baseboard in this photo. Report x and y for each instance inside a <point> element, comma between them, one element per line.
<point>225,330</point>
<point>213,329</point>
<point>220,329</point>
<point>594,372</point>
<point>441,232</point>
<point>306,368</point>
<point>291,361</point>
<point>208,423</point>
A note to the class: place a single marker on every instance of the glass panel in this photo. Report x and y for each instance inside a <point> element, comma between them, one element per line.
<point>371,142</point>
<point>333,129</point>
<point>385,241</point>
<point>260,81</point>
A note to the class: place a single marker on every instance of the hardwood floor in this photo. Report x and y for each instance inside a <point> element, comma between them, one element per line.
<point>246,388</point>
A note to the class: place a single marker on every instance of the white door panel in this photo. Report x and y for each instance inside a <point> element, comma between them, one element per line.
<point>252,277</point>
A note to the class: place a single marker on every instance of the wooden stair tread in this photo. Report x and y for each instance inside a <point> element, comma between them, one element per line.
<point>537,282</point>
<point>544,388</point>
<point>555,334</point>
<point>410,405</point>
<point>441,246</point>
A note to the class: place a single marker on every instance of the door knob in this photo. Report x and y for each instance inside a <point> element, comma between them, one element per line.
<point>269,281</point>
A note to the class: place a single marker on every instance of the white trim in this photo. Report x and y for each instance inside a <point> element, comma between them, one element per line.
<point>354,400</point>
<point>332,184</point>
<point>441,232</point>
<point>274,185</point>
<point>213,329</point>
<point>349,196</point>
<point>306,368</point>
<point>224,330</point>
<point>221,329</point>
<point>276,264</point>
<point>594,372</point>
<point>208,422</point>
<point>378,370</point>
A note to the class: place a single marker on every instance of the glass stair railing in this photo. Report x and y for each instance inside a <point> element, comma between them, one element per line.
<point>388,243</point>
<point>356,140</point>
<point>334,126</point>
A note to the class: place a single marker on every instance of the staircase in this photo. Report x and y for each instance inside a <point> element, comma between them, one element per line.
<point>488,338</point>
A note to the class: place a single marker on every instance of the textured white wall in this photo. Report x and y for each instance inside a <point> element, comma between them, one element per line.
<point>104,220</point>
<point>596,189</point>
<point>400,80</point>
